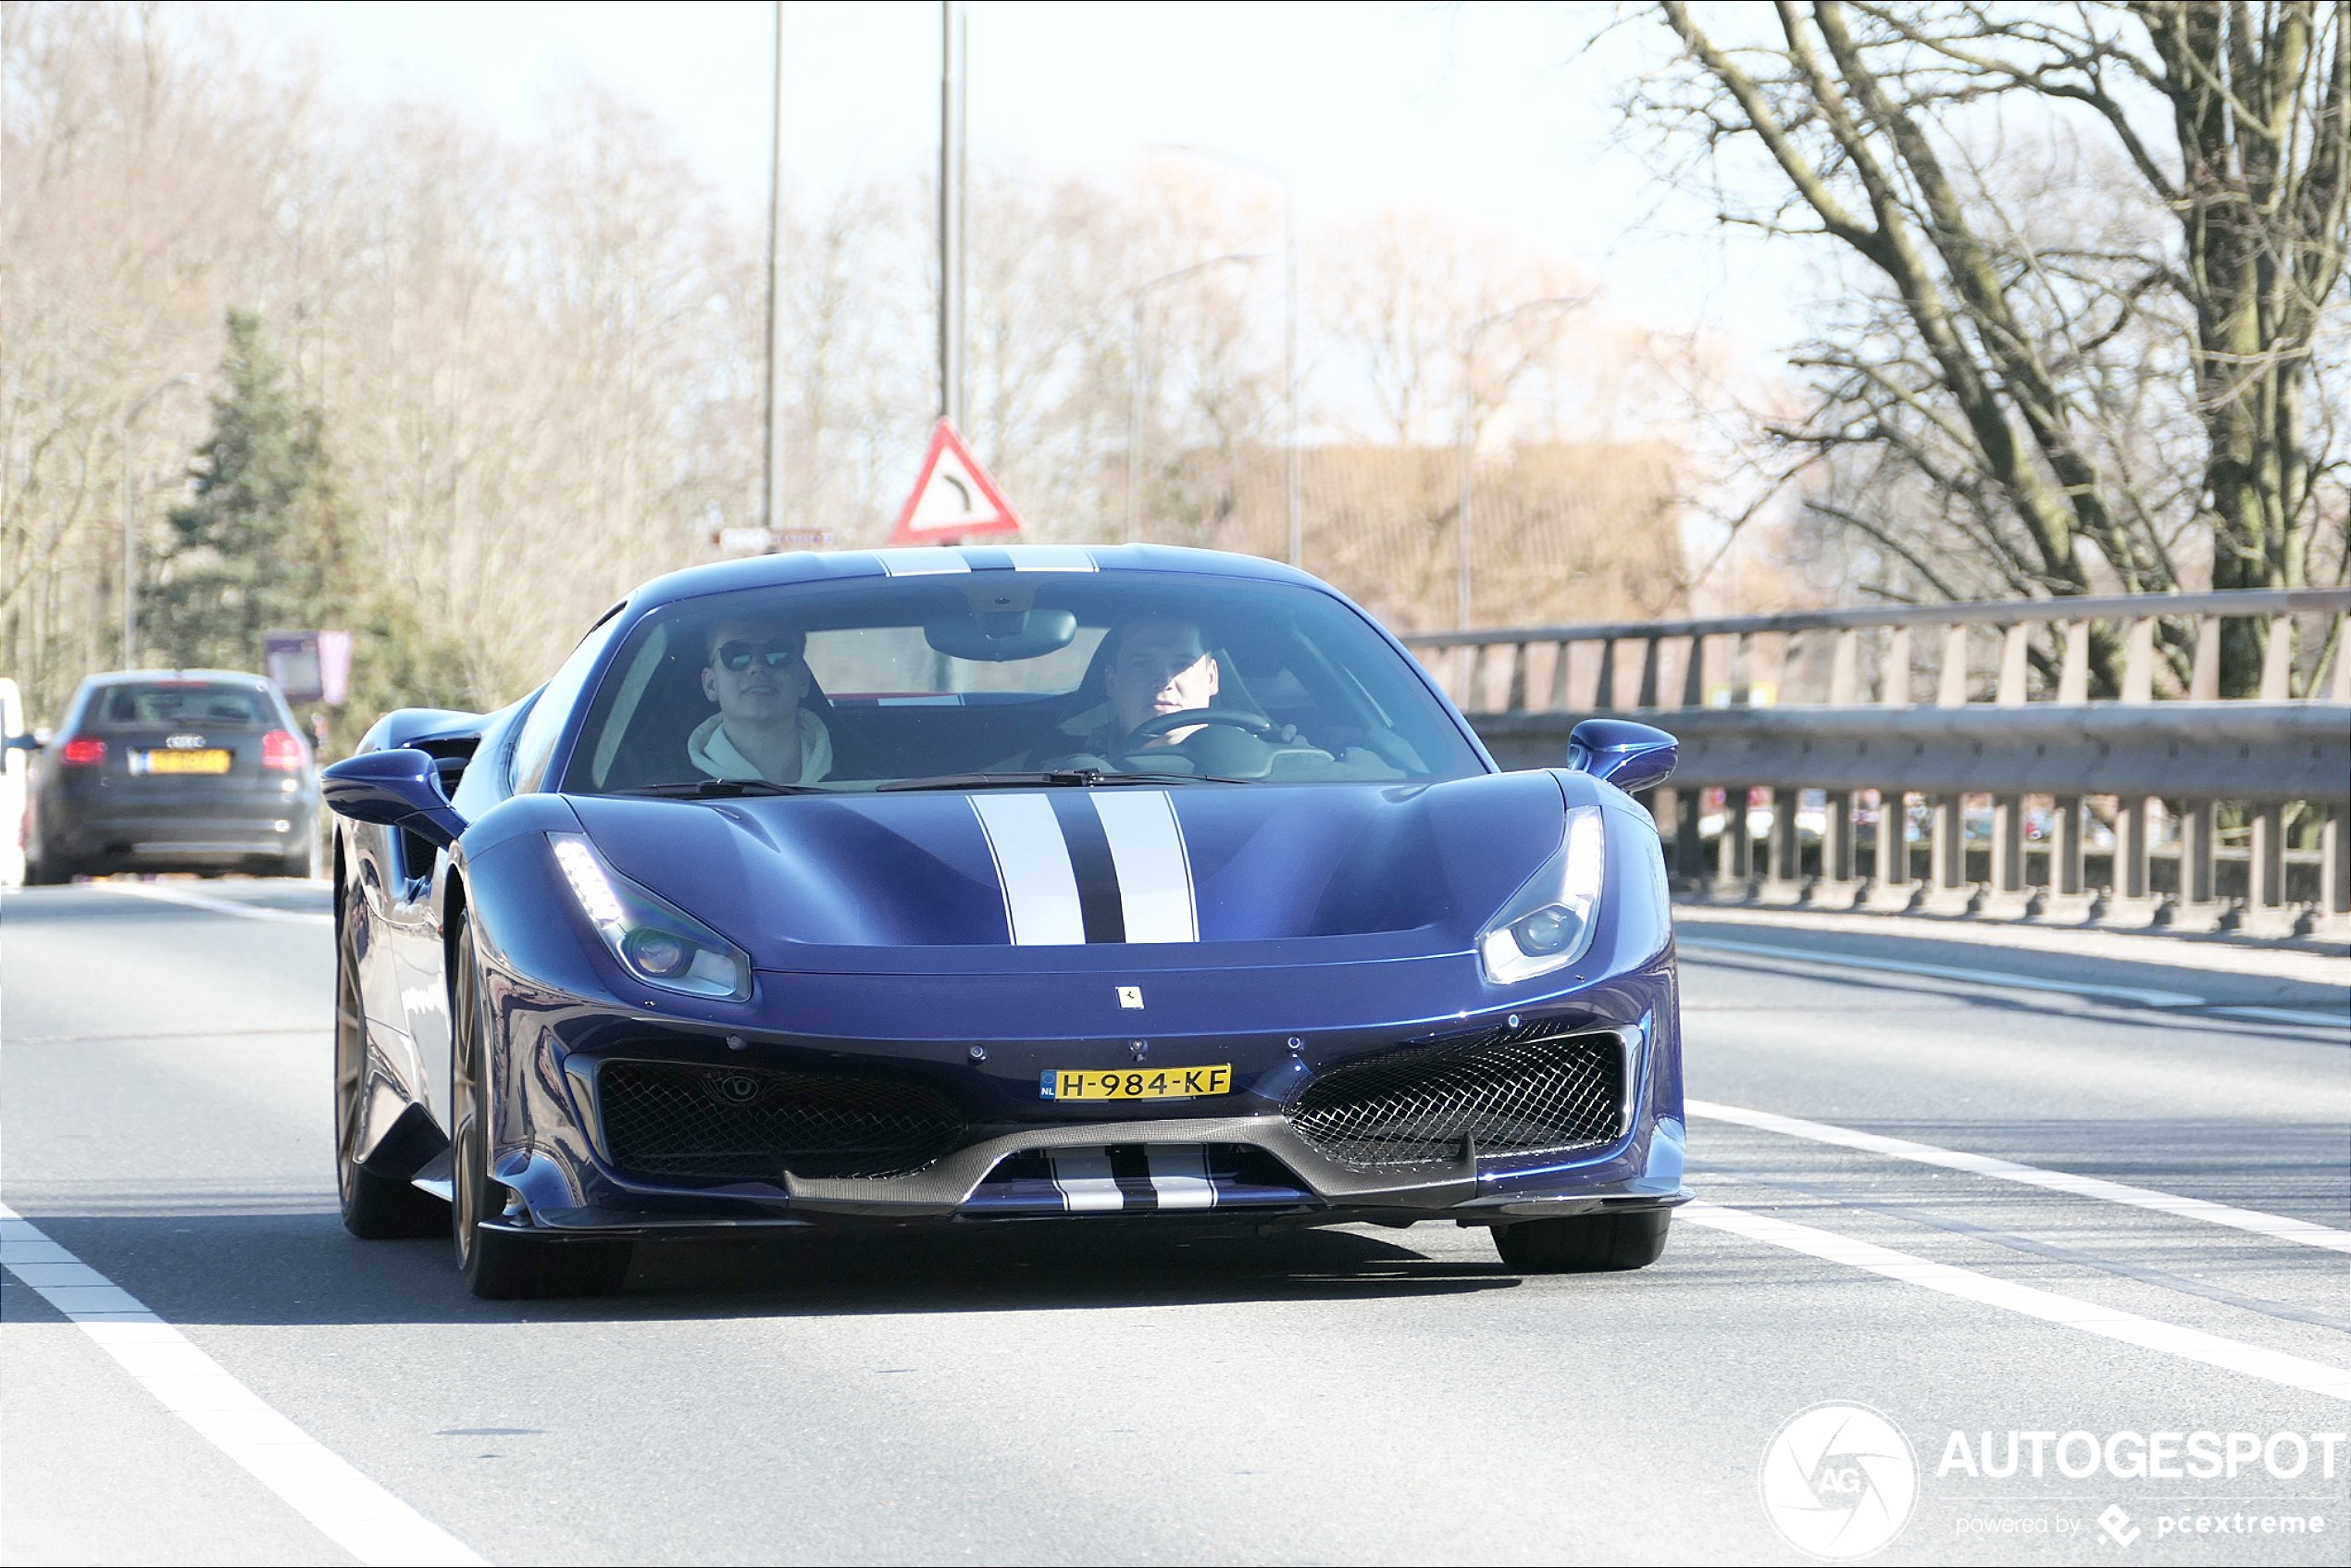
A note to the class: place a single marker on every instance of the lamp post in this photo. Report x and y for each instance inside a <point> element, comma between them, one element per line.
<point>1134,381</point>
<point>1477,332</point>
<point>1289,325</point>
<point>130,520</point>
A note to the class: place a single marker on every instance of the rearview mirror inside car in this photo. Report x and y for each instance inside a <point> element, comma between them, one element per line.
<point>998,636</point>
<point>399,786</point>
<point>1631,757</point>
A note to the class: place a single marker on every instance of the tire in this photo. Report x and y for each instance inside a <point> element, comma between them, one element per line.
<point>499,1264</point>
<point>1586,1244</point>
<point>40,871</point>
<point>375,1207</point>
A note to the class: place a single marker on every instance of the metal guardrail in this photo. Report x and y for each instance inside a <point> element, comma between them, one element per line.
<point>1825,701</point>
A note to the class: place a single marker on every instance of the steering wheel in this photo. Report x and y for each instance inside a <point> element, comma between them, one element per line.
<point>1151,728</point>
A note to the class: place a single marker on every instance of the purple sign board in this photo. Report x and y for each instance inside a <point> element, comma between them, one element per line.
<point>310,667</point>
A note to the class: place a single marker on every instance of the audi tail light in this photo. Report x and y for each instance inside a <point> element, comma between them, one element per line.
<point>282,751</point>
<point>84,752</point>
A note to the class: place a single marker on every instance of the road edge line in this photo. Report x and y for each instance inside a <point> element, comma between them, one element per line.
<point>2144,996</point>
<point>217,905</point>
<point>328,1491</point>
<point>2068,1311</point>
<point>2276,1226</point>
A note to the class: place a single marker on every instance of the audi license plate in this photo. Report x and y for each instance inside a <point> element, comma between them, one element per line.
<point>1138,1083</point>
<point>209,761</point>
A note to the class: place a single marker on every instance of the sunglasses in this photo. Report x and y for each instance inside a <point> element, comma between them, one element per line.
<point>740,656</point>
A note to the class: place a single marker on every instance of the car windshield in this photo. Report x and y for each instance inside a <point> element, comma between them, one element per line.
<point>1020,679</point>
<point>183,701</point>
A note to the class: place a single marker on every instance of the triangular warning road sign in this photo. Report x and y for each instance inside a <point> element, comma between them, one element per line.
<point>954,498</point>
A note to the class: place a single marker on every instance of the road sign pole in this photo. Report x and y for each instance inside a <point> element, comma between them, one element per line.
<point>952,40</point>
<point>772,504</point>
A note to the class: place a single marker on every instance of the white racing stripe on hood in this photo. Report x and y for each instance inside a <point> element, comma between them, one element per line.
<point>1154,873</point>
<point>1032,866</point>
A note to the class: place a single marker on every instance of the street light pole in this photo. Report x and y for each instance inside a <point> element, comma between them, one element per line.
<point>773,501</point>
<point>1477,332</point>
<point>1135,382</point>
<point>1289,328</point>
<point>131,521</point>
<point>952,38</point>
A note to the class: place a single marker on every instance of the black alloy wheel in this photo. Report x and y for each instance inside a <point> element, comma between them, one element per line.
<point>500,1264</point>
<point>375,1208</point>
<point>1585,1244</point>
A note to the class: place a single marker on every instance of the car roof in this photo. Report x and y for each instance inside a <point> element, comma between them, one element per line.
<point>832,565</point>
<point>212,676</point>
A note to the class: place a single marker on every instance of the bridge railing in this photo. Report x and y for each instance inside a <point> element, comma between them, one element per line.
<point>2137,753</point>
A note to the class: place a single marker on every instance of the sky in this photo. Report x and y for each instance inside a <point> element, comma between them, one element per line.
<point>1482,109</point>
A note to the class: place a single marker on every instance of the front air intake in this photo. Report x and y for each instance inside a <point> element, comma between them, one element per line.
<point>677,1120</point>
<point>1507,1092</point>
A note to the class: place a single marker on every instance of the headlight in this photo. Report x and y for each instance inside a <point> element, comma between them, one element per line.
<point>653,940</point>
<point>1548,923</point>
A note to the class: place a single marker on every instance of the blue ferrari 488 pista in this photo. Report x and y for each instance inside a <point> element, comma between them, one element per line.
<point>925,886</point>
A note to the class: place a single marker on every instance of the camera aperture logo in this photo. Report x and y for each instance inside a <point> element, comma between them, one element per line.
<point>1838,1481</point>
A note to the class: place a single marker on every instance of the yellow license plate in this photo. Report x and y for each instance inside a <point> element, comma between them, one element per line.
<point>1138,1083</point>
<point>188,762</point>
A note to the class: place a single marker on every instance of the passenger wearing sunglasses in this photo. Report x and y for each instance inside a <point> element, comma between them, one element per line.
<point>757,673</point>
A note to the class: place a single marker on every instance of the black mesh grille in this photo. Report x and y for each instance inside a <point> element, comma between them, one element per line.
<point>1509,1091</point>
<point>752,1124</point>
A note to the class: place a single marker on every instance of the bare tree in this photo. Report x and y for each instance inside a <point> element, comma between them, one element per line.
<point>2055,209</point>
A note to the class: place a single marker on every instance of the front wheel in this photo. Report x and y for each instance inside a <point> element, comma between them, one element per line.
<point>375,1208</point>
<point>1585,1244</point>
<point>499,1264</point>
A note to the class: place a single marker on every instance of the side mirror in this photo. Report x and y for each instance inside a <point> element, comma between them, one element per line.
<point>27,742</point>
<point>1631,757</point>
<point>399,786</point>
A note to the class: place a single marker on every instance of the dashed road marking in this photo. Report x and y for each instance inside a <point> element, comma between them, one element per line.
<point>2191,1344</point>
<point>345,1506</point>
<point>2277,1227</point>
<point>164,894</point>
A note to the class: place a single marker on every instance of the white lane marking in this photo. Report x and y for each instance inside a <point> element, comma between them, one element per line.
<point>2143,995</point>
<point>1083,1176</point>
<point>1032,866</point>
<point>2278,1226</point>
<point>164,894</point>
<point>1051,559</point>
<point>1180,1175</point>
<point>345,1506</point>
<point>1154,873</point>
<point>922,561</point>
<point>2233,1355</point>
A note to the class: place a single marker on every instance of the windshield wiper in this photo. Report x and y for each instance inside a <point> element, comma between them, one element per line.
<point>721,789</point>
<point>1058,778</point>
<point>1062,778</point>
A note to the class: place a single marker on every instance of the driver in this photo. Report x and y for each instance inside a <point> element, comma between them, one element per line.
<point>757,673</point>
<point>1156,666</point>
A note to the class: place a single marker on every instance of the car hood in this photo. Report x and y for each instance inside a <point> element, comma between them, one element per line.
<point>1126,876</point>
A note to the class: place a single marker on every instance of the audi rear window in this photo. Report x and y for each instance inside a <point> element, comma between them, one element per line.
<point>184,702</point>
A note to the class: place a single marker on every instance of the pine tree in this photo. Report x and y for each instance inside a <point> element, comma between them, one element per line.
<point>266,543</point>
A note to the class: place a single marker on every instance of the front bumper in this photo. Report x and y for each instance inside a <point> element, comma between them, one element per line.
<point>555,1153</point>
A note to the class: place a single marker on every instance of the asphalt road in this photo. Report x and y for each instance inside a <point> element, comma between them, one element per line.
<point>1351,1395</point>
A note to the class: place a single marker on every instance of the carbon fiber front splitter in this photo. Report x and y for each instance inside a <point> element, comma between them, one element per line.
<point>1330,1193</point>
